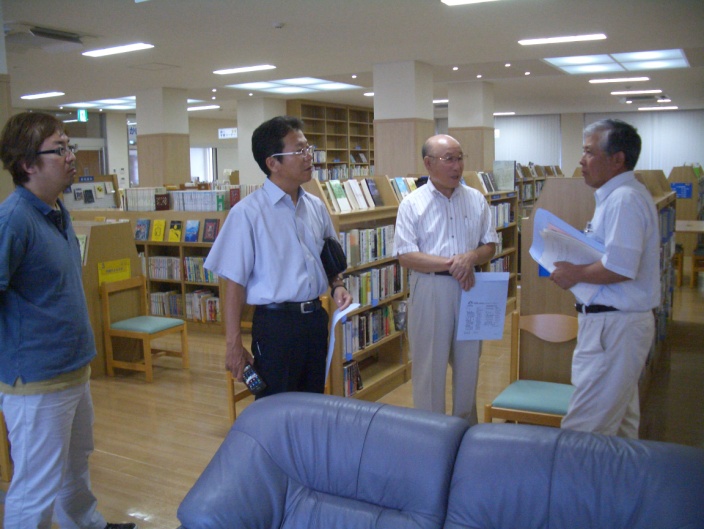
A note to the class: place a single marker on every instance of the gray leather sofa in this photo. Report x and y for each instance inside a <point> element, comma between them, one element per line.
<point>299,460</point>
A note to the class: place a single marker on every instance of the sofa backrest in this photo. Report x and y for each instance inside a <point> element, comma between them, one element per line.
<point>529,477</point>
<point>317,461</point>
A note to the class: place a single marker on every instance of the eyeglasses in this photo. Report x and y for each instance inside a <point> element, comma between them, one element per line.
<point>306,151</point>
<point>449,160</point>
<point>61,151</point>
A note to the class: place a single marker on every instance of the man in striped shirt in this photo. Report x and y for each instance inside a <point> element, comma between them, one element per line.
<point>443,231</point>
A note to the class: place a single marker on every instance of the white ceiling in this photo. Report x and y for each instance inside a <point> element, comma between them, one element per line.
<point>333,39</point>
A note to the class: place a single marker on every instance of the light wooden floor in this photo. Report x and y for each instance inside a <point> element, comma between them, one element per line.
<point>153,440</point>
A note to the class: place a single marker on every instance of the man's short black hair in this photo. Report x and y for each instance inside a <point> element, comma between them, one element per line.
<point>268,138</point>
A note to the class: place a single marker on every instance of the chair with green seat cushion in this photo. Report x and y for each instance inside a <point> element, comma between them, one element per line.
<point>117,300</point>
<point>534,401</point>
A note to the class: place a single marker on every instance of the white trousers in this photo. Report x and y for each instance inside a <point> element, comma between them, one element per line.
<point>433,317</point>
<point>51,437</point>
<point>611,351</point>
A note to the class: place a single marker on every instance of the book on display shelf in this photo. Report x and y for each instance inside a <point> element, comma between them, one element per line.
<point>339,194</point>
<point>141,231</point>
<point>374,192</point>
<point>210,229</point>
<point>192,228</point>
<point>175,231</point>
<point>158,229</point>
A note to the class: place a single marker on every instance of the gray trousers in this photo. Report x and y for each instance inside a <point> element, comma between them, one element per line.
<point>433,315</point>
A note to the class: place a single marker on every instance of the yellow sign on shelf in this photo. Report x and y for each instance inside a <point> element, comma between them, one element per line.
<point>114,270</point>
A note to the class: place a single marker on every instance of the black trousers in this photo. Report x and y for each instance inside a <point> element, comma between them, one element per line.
<point>290,350</point>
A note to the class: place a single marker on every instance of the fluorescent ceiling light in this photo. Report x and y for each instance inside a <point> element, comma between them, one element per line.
<point>204,107</point>
<point>635,92</point>
<point>504,113</point>
<point>82,105</point>
<point>557,40</point>
<point>245,69</point>
<point>440,101</point>
<point>657,108</point>
<point>298,85</point>
<point>464,2</point>
<point>620,80</point>
<point>118,49</point>
<point>619,62</point>
<point>368,94</point>
<point>42,96</point>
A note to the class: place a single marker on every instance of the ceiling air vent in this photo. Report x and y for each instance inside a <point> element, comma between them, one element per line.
<point>20,36</point>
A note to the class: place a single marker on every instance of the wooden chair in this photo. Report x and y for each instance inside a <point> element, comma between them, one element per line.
<point>236,391</point>
<point>117,323</point>
<point>532,401</point>
<point>5,461</point>
<point>697,266</point>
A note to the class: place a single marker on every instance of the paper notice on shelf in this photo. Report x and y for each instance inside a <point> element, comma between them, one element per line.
<point>554,240</point>
<point>336,317</point>
<point>483,307</point>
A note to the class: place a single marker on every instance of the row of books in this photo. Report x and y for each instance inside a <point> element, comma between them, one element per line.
<point>373,285</point>
<point>148,230</point>
<point>206,200</point>
<point>204,306</point>
<point>222,198</point>
<point>363,330</point>
<point>488,182</point>
<point>351,378</point>
<point>352,195</point>
<point>403,186</point>
<point>166,304</point>
<point>501,264</point>
<point>365,245</point>
<point>142,198</point>
<point>196,273</point>
<point>501,214</point>
<point>165,268</point>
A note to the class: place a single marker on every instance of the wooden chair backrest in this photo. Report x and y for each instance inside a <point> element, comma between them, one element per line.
<point>555,328</point>
<point>114,287</point>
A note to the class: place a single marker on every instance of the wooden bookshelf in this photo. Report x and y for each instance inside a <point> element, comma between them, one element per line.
<point>688,183</point>
<point>384,364</point>
<point>573,201</point>
<point>343,137</point>
<point>507,228</point>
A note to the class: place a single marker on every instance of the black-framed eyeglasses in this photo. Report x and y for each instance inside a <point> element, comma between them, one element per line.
<point>61,151</point>
<point>449,160</point>
<point>306,151</point>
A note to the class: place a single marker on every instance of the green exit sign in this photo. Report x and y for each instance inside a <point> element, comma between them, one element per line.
<point>82,115</point>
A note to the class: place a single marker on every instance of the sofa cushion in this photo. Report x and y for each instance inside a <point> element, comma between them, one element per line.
<point>508,476</point>
<point>317,461</point>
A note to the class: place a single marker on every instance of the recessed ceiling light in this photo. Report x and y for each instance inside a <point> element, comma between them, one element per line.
<point>620,62</point>
<point>504,113</point>
<point>620,80</point>
<point>214,90</point>
<point>464,2</point>
<point>297,85</point>
<point>455,68</point>
<point>204,107</point>
<point>527,73</point>
<point>245,69</point>
<point>635,92</point>
<point>42,96</point>
<point>479,76</point>
<point>118,49</point>
<point>354,76</point>
<point>507,65</point>
<point>557,40</point>
<point>657,108</point>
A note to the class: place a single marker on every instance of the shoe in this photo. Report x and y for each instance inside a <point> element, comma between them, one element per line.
<point>120,526</point>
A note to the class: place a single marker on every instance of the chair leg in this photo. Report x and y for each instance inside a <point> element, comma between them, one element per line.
<point>185,361</point>
<point>5,461</point>
<point>231,402</point>
<point>108,356</point>
<point>487,413</point>
<point>148,368</point>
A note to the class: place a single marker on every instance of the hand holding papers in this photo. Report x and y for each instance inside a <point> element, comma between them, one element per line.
<point>483,307</point>
<point>554,240</point>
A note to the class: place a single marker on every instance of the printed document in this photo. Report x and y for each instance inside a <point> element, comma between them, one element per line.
<point>336,317</point>
<point>483,307</point>
<point>555,240</point>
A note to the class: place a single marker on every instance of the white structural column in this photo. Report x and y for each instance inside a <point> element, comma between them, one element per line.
<point>251,113</point>
<point>163,144</point>
<point>403,116</point>
<point>470,120</point>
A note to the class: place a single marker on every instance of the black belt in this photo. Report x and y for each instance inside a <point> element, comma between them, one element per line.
<point>441,273</point>
<point>593,309</point>
<point>304,307</point>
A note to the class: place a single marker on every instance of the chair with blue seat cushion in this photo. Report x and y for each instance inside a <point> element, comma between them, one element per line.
<point>118,322</point>
<point>534,401</point>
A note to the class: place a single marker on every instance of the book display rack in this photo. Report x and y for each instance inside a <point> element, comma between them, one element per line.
<point>687,182</point>
<point>343,137</point>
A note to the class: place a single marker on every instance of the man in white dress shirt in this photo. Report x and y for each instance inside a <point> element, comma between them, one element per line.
<point>617,327</point>
<point>443,231</point>
<point>268,252</point>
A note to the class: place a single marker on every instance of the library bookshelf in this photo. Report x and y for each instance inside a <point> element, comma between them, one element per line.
<point>504,206</point>
<point>342,135</point>
<point>573,201</point>
<point>383,362</point>
<point>688,183</point>
<point>183,279</point>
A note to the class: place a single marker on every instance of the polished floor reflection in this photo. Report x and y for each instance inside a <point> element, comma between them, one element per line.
<point>153,440</point>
